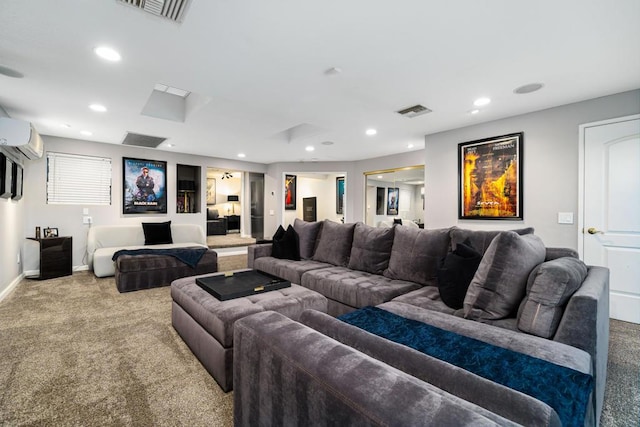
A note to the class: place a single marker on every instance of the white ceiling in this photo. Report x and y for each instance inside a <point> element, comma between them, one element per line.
<point>257,68</point>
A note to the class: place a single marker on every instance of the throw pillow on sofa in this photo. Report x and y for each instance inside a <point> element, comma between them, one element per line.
<point>334,243</point>
<point>549,287</point>
<point>455,274</point>
<point>157,233</point>
<point>307,235</point>
<point>480,239</point>
<point>371,248</point>
<point>499,285</point>
<point>285,244</point>
<point>416,253</point>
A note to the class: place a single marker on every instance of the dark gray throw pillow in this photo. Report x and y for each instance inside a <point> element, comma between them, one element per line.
<point>455,273</point>
<point>416,253</point>
<point>549,287</point>
<point>371,248</point>
<point>285,244</point>
<point>157,233</point>
<point>307,235</point>
<point>500,282</point>
<point>334,243</point>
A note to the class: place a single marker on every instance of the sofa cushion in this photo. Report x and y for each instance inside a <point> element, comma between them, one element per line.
<point>157,233</point>
<point>355,288</point>
<point>307,235</point>
<point>480,239</point>
<point>287,269</point>
<point>371,248</point>
<point>427,297</point>
<point>334,243</point>
<point>455,273</point>
<point>286,244</point>
<point>416,253</point>
<point>549,287</point>
<point>500,283</point>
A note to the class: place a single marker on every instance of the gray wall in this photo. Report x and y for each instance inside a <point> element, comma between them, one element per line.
<point>550,169</point>
<point>68,218</point>
<point>12,214</point>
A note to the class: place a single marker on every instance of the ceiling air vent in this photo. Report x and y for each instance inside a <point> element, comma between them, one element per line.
<point>170,9</point>
<point>416,110</point>
<point>140,140</point>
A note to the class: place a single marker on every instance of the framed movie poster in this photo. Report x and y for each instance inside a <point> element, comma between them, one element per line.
<point>340,195</point>
<point>290,192</point>
<point>393,194</point>
<point>490,178</point>
<point>144,186</point>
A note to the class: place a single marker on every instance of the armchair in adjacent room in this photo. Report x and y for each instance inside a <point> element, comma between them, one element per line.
<point>215,225</point>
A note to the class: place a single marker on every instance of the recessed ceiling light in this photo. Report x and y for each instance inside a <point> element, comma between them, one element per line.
<point>309,148</point>
<point>481,101</point>
<point>410,146</point>
<point>65,125</point>
<point>98,108</point>
<point>531,87</point>
<point>170,145</point>
<point>379,176</point>
<point>107,53</point>
<point>371,132</point>
<point>476,111</point>
<point>86,133</point>
<point>242,155</point>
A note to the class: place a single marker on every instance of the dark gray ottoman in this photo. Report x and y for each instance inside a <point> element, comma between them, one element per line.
<point>206,324</point>
<point>134,272</point>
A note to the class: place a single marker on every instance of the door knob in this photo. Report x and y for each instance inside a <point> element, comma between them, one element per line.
<point>593,230</point>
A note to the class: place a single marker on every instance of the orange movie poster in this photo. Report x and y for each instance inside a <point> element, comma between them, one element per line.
<point>490,184</point>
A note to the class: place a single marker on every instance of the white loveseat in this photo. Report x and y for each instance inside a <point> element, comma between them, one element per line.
<point>104,240</point>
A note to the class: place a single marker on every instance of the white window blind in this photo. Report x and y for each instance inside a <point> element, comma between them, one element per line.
<point>78,180</point>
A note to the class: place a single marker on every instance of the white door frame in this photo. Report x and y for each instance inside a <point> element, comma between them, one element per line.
<point>581,172</point>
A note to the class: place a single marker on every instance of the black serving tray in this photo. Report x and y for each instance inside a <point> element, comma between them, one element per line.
<point>241,284</point>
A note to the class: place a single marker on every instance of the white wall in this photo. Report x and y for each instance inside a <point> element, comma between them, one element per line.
<point>550,169</point>
<point>68,218</point>
<point>323,188</point>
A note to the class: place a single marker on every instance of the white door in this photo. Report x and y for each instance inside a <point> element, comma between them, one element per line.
<point>610,222</point>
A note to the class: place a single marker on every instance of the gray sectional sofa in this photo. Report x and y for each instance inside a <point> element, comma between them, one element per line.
<point>537,301</point>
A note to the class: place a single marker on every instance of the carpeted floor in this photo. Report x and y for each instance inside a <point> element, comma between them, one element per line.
<point>229,241</point>
<point>76,352</point>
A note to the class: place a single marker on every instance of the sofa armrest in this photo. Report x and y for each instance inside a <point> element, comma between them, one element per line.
<point>285,373</point>
<point>585,325</point>
<point>257,251</point>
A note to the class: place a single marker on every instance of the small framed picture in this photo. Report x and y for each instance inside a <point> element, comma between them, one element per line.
<point>50,232</point>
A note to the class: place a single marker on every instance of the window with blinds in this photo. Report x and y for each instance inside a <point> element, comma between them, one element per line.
<point>78,180</point>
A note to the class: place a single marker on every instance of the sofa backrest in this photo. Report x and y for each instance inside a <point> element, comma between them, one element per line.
<point>114,236</point>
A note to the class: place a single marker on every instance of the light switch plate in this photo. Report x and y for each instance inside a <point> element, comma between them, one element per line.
<point>565,217</point>
<point>85,211</point>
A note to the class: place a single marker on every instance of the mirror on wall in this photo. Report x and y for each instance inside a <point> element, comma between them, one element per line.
<point>394,194</point>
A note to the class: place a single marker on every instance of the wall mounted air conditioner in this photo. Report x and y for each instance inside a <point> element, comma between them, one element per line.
<point>22,137</point>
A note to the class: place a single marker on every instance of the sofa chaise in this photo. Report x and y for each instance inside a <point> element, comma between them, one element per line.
<point>536,301</point>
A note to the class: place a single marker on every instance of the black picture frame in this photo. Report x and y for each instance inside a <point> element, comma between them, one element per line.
<point>6,173</point>
<point>290,192</point>
<point>17,174</point>
<point>144,194</point>
<point>340,195</point>
<point>490,178</point>
<point>393,197</point>
<point>379,200</point>
<point>50,232</point>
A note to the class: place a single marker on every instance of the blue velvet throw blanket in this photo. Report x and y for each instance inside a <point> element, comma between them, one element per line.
<point>189,256</point>
<point>566,390</point>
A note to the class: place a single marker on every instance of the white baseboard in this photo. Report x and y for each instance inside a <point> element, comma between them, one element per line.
<point>35,273</point>
<point>5,293</point>
<point>241,250</point>
<point>81,268</point>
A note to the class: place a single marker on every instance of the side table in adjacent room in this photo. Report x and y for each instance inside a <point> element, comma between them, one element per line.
<point>55,257</point>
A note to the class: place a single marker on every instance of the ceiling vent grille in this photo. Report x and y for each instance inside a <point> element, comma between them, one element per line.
<point>416,110</point>
<point>140,140</point>
<point>170,9</point>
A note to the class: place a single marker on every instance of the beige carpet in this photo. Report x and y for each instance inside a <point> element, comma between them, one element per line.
<point>76,352</point>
